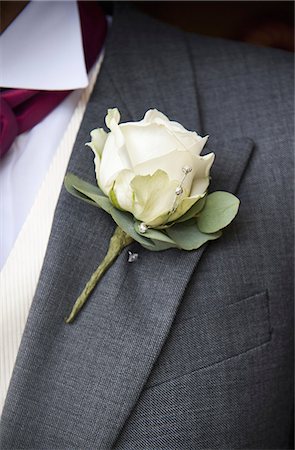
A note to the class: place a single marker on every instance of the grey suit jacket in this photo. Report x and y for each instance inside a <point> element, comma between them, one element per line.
<point>180,350</point>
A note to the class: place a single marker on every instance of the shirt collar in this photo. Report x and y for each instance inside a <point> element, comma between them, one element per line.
<point>43,48</point>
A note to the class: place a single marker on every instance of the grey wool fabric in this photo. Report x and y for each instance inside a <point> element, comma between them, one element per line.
<point>180,350</point>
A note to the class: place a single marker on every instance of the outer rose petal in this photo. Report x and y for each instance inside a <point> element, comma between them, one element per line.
<point>122,190</point>
<point>113,115</point>
<point>153,115</point>
<point>197,145</point>
<point>154,197</point>
<point>201,179</point>
<point>98,139</point>
<point>184,205</point>
<point>189,139</point>
<point>114,160</point>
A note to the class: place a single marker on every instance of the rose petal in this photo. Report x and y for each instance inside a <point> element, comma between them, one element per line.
<point>198,145</point>
<point>148,142</point>
<point>201,179</point>
<point>189,139</point>
<point>98,139</point>
<point>113,116</point>
<point>114,160</point>
<point>172,164</point>
<point>153,115</point>
<point>122,190</point>
<point>154,197</point>
<point>184,205</point>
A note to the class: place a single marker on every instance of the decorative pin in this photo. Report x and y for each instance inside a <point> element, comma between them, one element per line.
<point>187,169</point>
<point>132,257</point>
<point>143,228</point>
<point>179,190</point>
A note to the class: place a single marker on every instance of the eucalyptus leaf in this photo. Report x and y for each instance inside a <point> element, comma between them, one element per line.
<point>160,246</point>
<point>90,191</point>
<point>187,236</point>
<point>193,211</point>
<point>125,221</point>
<point>154,234</point>
<point>219,210</point>
<point>74,180</point>
<point>159,238</point>
<point>70,188</point>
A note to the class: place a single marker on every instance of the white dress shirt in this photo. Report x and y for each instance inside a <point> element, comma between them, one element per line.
<point>38,58</point>
<point>32,172</point>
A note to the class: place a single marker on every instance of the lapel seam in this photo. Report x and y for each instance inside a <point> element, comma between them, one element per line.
<point>119,94</point>
<point>193,69</point>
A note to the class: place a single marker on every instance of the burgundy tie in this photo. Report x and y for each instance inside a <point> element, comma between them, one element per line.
<point>22,109</point>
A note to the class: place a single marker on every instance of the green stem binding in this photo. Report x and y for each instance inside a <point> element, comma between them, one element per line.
<point>118,242</point>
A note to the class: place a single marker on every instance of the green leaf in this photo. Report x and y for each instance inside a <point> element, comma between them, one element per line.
<point>125,221</point>
<point>70,188</point>
<point>154,234</point>
<point>219,210</point>
<point>88,190</point>
<point>188,237</point>
<point>70,178</point>
<point>193,211</point>
<point>152,240</point>
<point>160,239</point>
<point>159,246</point>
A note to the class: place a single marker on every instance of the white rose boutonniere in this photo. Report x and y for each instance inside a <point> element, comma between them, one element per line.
<point>153,182</point>
<point>151,168</point>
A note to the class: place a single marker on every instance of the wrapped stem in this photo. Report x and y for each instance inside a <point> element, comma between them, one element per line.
<point>118,242</point>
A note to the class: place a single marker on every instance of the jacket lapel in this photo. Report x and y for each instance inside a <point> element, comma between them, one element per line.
<point>74,386</point>
<point>163,77</point>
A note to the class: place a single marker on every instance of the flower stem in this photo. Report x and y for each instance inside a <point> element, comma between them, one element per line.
<point>118,242</point>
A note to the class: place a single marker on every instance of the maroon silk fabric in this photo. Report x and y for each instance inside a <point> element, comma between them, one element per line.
<point>22,109</point>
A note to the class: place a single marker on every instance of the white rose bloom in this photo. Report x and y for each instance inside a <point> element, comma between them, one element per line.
<point>141,165</point>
